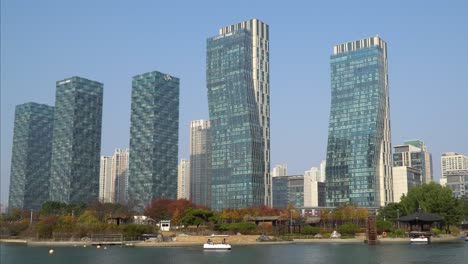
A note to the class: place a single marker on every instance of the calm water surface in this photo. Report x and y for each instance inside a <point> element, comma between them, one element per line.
<point>271,254</point>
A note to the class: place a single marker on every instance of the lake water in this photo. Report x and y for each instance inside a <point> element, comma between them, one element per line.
<point>271,254</point>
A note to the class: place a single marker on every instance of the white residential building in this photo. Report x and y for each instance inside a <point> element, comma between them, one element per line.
<point>280,170</point>
<point>183,180</point>
<point>113,177</point>
<point>323,177</point>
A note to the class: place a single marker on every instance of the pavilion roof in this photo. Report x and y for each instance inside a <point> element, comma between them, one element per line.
<point>421,217</point>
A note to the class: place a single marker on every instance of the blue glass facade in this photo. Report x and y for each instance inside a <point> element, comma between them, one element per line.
<point>154,136</point>
<point>358,165</point>
<point>288,190</point>
<point>238,150</point>
<point>32,151</point>
<point>76,146</point>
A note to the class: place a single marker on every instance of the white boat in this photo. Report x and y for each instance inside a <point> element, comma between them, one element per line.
<point>217,246</point>
<point>419,240</point>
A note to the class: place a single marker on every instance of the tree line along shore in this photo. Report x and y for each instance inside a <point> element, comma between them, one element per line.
<point>83,222</point>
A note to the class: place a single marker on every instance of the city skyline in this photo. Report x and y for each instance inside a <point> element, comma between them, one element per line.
<point>294,142</point>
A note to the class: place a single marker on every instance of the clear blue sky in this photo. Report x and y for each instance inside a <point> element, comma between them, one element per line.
<point>111,41</point>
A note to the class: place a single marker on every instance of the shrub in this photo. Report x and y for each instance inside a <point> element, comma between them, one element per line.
<point>436,231</point>
<point>134,230</point>
<point>14,228</point>
<point>310,230</point>
<point>46,226</point>
<point>347,236</point>
<point>398,233</point>
<point>454,230</point>
<point>350,229</point>
<point>238,227</point>
<point>383,226</point>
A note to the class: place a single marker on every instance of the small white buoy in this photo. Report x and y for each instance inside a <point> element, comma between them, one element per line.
<point>98,246</point>
<point>51,251</point>
<point>105,247</point>
<point>84,245</point>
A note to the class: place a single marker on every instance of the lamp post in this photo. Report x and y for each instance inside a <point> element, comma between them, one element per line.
<point>398,218</point>
<point>290,221</point>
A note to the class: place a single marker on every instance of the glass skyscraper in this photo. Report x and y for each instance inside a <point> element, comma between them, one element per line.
<point>154,136</point>
<point>76,144</point>
<point>358,165</point>
<point>200,162</point>
<point>30,162</point>
<point>239,106</point>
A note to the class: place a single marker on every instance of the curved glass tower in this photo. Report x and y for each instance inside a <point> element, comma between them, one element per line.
<point>237,75</point>
<point>358,165</point>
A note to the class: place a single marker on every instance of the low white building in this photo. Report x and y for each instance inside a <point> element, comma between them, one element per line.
<point>404,178</point>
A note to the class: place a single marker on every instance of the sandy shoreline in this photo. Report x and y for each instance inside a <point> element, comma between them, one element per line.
<point>234,240</point>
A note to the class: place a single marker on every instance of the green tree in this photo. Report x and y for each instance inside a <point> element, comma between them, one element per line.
<point>196,216</point>
<point>383,226</point>
<point>391,212</point>
<point>434,198</point>
<point>464,200</point>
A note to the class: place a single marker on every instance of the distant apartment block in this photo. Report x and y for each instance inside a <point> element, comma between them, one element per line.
<point>413,153</point>
<point>120,166</point>
<point>154,137</point>
<point>452,161</point>
<point>323,165</point>
<point>113,177</point>
<point>280,170</point>
<point>183,180</point>
<point>200,162</point>
<point>457,181</point>
<point>314,190</point>
<point>454,167</point>
<point>31,155</point>
<point>313,174</point>
<point>76,144</point>
<point>106,181</point>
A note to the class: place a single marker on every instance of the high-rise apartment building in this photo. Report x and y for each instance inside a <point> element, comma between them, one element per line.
<point>358,165</point>
<point>414,154</point>
<point>154,136</point>
<point>31,154</point>
<point>183,180</point>
<point>120,164</point>
<point>200,162</point>
<point>76,144</point>
<point>106,181</point>
<point>313,174</point>
<point>314,190</point>
<point>457,181</point>
<point>113,177</point>
<point>238,84</point>
<point>323,165</point>
<point>452,161</point>
<point>280,170</point>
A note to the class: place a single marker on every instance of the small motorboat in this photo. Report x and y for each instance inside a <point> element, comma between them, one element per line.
<point>211,246</point>
<point>419,240</point>
<point>419,237</point>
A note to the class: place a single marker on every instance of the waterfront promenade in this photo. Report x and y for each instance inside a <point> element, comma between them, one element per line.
<point>184,241</point>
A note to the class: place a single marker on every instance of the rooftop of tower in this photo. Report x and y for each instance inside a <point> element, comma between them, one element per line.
<point>359,44</point>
